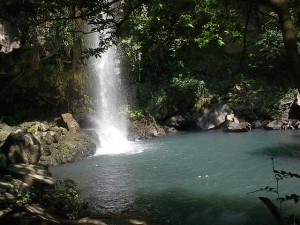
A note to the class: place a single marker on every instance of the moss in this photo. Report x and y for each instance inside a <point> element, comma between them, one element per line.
<point>202,104</point>
<point>3,135</point>
<point>66,150</point>
<point>33,128</point>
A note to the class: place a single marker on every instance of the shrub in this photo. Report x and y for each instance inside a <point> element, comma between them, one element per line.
<point>64,199</point>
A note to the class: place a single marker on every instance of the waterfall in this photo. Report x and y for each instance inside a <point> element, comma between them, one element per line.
<point>110,102</point>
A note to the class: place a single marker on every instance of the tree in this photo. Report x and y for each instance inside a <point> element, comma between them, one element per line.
<point>282,8</point>
<point>287,12</point>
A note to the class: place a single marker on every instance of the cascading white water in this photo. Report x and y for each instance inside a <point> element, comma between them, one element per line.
<point>110,102</point>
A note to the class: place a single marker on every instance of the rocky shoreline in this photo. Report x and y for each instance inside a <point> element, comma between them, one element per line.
<point>59,144</point>
<point>231,118</point>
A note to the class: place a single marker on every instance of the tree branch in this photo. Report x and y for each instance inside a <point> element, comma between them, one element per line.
<point>274,210</point>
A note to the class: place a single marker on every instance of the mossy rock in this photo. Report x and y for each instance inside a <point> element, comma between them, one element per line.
<point>3,135</point>
<point>27,125</point>
<point>71,147</point>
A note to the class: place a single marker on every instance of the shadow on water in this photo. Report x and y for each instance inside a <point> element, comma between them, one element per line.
<point>281,150</point>
<point>177,207</point>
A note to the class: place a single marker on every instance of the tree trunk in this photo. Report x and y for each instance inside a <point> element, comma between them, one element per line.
<point>281,7</point>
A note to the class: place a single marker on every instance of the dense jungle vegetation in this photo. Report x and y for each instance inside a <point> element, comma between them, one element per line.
<point>180,55</point>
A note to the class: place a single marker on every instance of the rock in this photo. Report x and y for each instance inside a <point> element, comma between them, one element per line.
<point>182,122</point>
<point>144,129</point>
<point>41,212</point>
<point>236,126</point>
<point>21,147</point>
<point>5,211</point>
<point>213,117</point>
<point>48,138</point>
<point>274,125</point>
<point>231,117</point>
<point>93,136</point>
<point>5,127</point>
<point>59,145</point>
<point>170,130</point>
<point>43,127</point>
<point>87,121</point>
<point>72,124</point>
<point>5,130</point>
<point>285,116</point>
<point>55,136</point>
<point>283,104</point>
<point>27,125</point>
<point>71,147</point>
<point>63,131</point>
<point>7,197</point>
<point>256,124</point>
<point>295,123</point>
<point>6,186</point>
<point>137,222</point>
<point>290,124</point>
<point>87,221</point>
<point>32,174</point>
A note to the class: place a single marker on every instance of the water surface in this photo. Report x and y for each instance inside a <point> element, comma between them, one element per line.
<point>191,179</point>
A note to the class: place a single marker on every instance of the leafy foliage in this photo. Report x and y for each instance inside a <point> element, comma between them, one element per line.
<point>178,50</point>
<point>255,98</point>
<point>210,41</point>
<point>64,200</point>
<point>135,113</point>
<point>162,50</point>
<point>60,23</point>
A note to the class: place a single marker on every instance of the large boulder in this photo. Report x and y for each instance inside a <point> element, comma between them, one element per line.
<point>144,129</point>
<point>71,147</point>
<point>213,117</point>
<point>257,124</point>
<point>274,125</point>
<point>5,130</point>
<point>71,123</point>
<point>21,147</point>
<point>234,126</point>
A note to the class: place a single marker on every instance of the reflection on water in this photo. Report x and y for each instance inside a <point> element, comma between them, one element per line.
<point>191,179</point>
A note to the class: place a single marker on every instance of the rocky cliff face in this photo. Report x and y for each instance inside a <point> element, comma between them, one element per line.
<point>13,58</point>
<point>9,37</point>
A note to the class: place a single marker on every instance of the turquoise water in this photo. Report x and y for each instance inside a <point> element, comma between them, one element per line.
<point>191,179</point>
